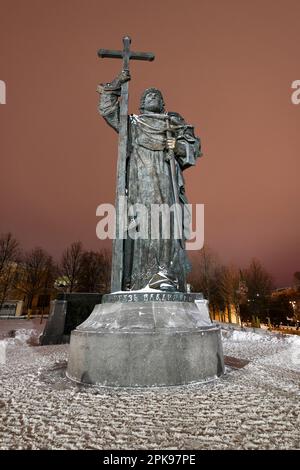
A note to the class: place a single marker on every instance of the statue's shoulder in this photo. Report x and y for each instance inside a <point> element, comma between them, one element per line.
<point>176,119</point>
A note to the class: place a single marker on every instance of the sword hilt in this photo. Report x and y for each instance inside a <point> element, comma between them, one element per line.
<point>170,153</point>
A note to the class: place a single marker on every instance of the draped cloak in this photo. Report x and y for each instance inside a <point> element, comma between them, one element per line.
<point>148,182</point>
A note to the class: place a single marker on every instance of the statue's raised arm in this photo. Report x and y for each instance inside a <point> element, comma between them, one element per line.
<point>109,106</point>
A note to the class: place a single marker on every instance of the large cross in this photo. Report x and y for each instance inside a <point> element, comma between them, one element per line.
<point>118,243</point>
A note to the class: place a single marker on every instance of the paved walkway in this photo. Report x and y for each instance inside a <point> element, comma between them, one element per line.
<point>254,406</point>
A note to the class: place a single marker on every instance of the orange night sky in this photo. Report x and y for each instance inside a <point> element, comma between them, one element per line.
<point>225,65</point>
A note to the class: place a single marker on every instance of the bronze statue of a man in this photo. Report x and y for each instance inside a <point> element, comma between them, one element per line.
<point>159,263</point>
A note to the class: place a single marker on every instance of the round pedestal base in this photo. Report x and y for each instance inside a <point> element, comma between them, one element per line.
<point>143,344</point>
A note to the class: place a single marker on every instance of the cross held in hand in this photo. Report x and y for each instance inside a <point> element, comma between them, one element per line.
<point>118,243</point>
<point>126,54</point>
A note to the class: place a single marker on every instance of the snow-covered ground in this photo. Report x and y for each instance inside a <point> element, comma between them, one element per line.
<point>255,406</point>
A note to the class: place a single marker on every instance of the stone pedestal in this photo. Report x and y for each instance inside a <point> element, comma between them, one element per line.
<point>146,339</point>
<point>67,312</point>
<point>54,328</point>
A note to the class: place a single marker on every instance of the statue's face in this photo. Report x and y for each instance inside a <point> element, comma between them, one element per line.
<point>152,102</point>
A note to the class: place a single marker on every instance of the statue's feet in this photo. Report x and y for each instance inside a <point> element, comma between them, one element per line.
<point>167,287</point>
<point>161,281</point>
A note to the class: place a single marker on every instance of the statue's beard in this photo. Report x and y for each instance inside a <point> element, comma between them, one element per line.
<point>152,107</point>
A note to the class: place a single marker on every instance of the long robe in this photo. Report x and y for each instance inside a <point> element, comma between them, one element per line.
<point>148,182</point>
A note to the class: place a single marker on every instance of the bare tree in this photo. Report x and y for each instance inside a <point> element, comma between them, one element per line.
<point>203,275</point>
<point>90,273</point>
<point>35,274</point>
<point>228,287</point>
<point>71,265</point>
<point>9,250</point>
<point>258,280</point>
<point>95,271</point>
<point>297,280</point>
<point>9,256</point>
<point>7,281</point>
<point>259,284</point>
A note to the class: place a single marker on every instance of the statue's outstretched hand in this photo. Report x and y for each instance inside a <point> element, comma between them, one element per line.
<point>115,85</point>
<point>124,76</point>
